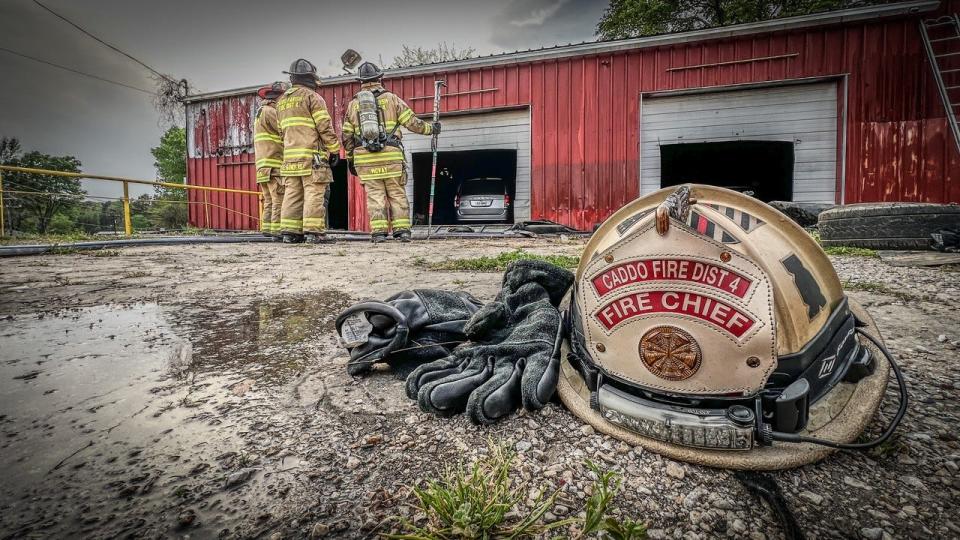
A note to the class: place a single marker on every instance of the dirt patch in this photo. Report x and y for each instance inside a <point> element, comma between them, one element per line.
<point>206,395</point>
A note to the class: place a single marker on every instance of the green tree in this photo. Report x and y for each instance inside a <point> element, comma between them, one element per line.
<point>634,18</point>
<point>170,210</point>
<point>418,56</point>
<point>54,194</point>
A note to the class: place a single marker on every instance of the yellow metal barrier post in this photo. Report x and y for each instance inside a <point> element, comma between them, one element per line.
<point>127,225</point>
<point>127,222</point>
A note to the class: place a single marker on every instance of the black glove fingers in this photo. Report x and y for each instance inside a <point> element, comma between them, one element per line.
<point>431,372</point>
<point>499,396</point>
<point>450,394</point>
<point>539,381</point>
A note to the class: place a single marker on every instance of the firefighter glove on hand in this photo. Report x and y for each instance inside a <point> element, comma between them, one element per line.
<point>435,128</point>
<point>513,356</point>
<point>409,328</point>
<point>353,169</point>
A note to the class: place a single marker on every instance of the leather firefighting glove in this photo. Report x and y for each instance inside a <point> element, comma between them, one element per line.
<point>353,169</point>
<point>406,330</point>
<point>513,356</point>
<point>435,128</point>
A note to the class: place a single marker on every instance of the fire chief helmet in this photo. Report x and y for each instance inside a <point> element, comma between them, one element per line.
<point>708,327</point>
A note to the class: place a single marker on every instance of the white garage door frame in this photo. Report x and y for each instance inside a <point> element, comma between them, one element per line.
<point>811,113</point>
<point>495,129</point>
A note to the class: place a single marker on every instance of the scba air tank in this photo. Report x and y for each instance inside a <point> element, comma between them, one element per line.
<point>369,116</point>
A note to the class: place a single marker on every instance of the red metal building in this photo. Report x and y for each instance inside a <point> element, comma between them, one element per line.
<point>835,107</point>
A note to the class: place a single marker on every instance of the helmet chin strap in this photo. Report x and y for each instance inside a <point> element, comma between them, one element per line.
<point>768,436</point>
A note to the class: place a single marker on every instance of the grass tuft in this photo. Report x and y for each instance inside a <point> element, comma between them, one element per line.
<point>485,502</point>
<point>497,263</point>
<point>851,251</point>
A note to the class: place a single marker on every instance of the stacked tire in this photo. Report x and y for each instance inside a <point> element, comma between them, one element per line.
<point>886,225</point>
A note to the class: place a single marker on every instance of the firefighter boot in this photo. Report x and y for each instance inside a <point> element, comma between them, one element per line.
<point>378,237</point>
<point>402,235</point>
<point>292,238</point>
<point>319,238</point>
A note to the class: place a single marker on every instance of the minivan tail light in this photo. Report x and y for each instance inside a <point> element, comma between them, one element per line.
<point>506,200</point>
<point>456,201</point>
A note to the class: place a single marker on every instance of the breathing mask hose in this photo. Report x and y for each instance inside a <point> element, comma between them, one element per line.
<point>792,437</point>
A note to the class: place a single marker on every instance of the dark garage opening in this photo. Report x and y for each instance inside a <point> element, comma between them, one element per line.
<point>339,207</point>
<point>763,167</point>
<point>452,169</point>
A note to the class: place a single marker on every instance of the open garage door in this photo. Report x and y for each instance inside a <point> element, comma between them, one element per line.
<point>778,142</point>
<point>494,144</point>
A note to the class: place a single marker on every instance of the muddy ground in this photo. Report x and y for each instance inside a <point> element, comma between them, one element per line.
<point>199,392</point>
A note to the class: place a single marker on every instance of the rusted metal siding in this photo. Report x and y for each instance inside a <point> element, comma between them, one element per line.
<point>220,154</point>
<point>586,117</point>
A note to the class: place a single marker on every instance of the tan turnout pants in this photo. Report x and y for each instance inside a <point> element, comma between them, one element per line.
<point>303,209</point>
<point>387,205</point>
<point>272,191</point>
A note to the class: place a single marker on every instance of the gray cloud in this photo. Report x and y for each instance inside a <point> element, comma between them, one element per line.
<point>534,23</point>
<point>217,46</point>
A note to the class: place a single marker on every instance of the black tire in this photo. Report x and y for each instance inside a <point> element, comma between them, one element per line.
<point>886,225</point>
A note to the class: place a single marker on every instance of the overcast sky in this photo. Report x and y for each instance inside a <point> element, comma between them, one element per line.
<point>217,46</point>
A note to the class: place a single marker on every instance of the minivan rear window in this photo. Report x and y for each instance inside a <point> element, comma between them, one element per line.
<point>483,186</point>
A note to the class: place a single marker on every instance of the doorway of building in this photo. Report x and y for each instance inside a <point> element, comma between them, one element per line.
<point>453,168</point>
<point>763,167</point>
<point>338,211</point>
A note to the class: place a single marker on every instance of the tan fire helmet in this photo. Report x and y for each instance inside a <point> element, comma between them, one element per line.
<point>707,326</point>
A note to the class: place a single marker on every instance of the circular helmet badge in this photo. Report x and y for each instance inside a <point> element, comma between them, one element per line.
<point>670,353</point>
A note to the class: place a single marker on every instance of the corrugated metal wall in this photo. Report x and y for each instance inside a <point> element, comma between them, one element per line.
<point>585,112</point>
<point>220,154</point>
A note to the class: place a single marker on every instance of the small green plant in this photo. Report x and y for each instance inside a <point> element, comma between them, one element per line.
<point>880,288</point>
<point>851,251</point>
<point>341,253</point>
<point>596,521</point>
<point>485,502</point>
<point>103,253</point>
<point>497,263</point>
<point>867,286</point>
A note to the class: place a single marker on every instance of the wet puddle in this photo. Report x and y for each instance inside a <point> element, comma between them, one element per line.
<point>151,420</point>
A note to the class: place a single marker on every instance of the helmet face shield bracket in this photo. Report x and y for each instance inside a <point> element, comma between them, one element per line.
<point>703,319</point>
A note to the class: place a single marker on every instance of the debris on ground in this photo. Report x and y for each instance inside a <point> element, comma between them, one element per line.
<point>150,369</point>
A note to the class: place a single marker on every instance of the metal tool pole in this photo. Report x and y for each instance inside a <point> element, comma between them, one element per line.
<point>433,148</point>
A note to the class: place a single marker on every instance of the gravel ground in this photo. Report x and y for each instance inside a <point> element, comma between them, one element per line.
<point>198,391</point>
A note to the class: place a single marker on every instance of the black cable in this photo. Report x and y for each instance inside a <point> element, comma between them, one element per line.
<point>791,437</point>
<point>78,27</point>
<point>764,486</point>
<point>65,68</point>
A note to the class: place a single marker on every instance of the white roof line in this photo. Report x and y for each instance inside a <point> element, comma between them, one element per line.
<point>600,47</point>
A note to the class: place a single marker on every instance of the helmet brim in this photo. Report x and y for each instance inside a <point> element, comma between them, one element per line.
<point>841,416</point>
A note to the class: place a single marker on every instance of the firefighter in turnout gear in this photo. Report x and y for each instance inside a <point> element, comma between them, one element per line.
<point>372,141</point>
<point>310,149</point>
<point>268,149</point>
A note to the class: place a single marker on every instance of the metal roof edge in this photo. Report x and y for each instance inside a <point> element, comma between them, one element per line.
<point>600,47</point>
